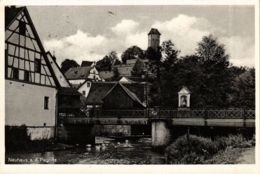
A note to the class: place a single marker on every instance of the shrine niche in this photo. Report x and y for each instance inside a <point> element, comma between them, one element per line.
<point>184,97</point>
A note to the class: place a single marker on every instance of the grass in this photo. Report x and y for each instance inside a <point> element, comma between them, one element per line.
<point>226,156</point>
<point>200,150</point>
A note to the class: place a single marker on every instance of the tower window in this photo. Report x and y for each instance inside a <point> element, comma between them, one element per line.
<point>15,73</point>
<point>26,76</point>
<point>37,65</point>
<point>46,103</point>
<point>22,27</point>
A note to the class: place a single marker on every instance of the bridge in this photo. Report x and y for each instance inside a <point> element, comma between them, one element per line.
<point>161,119</point>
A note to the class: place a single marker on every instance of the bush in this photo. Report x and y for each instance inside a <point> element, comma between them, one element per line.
<point>201,150</point>
<point>192,151</point>
<point>232,141</point>
<point>16,138</point>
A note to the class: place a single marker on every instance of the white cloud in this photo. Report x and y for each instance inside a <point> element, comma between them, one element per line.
<point>79,46</point>
<point>126,26</point>
<point>185,31</point>
<point>241,50</point>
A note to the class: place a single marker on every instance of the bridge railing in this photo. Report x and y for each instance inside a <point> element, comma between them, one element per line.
<point>209,114</point>
<point>120,113</point>
<point>173,113</point>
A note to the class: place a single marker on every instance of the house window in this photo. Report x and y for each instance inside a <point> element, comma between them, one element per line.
<point>15,73</point>
<point>37,65</point>
<point>84,93</point>
<point>26,76</point>
<point>46,103</point>
<point>88,84</point>
<point>22,28</point>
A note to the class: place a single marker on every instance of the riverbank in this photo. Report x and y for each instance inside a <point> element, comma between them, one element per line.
<point>234,156</point>
<point>223,150</point>
<point>112,152</point>
<point>191,149</point>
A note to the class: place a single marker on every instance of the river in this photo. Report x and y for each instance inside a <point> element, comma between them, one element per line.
<point>105,151</point>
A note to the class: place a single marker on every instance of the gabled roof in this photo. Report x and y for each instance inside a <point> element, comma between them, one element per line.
<point>10,15</point>
<point>106,75</point>
<point>126,80</point>
<point>154,31</point>
<point>128,92</point>
<point>58,73</point>
<point>68,91</point>
<point>97,92</point>
<point>86,63</point>
<point>184,90</point>
<point>78,73</point>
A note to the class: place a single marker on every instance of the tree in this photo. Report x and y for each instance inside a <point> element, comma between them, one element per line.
<point>154,57</point>
<point>138,69</point>
<point>244,90</point>
<point>216,75</point>
<point>185,72</point>
<point>67,64</point>
<point>107,63</point>
<point>133,52</point>
<point>169,53</point>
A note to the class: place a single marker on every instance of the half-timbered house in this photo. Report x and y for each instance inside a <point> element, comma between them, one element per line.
<point>30,82</point>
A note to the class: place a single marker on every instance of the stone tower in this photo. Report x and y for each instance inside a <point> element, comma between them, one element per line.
<point>154,38</point>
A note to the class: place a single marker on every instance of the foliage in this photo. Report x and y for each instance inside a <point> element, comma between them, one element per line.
<point>107,63</point>
<point>232,141</point>
<point>208,76</point>
<point>138,69</point>
<point>227,156</point>
<point>170,54</point>
<point>186,72</point>
<point>243,89</point>
<point>16,138</point>
<point>196,149</point>
<point>154,57</point>
<point>216,75</point>
<point>67,64</point>
<point>190,151</point>
<point>133,52</point>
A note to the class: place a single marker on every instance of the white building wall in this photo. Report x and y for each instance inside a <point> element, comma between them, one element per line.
<point>94,73</point>
<point>85,87</point>
<point>24,104</point>
<point>77,82</point>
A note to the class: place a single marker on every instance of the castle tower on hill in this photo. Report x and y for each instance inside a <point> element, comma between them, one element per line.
<point>154,38</point>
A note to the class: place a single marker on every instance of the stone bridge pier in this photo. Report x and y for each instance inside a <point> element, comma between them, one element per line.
<point>161,134</point>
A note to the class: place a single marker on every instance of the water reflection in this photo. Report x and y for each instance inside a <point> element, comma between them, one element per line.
<point>105,151</point>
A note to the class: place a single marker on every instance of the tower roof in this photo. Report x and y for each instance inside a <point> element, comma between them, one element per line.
<point>154,31</point>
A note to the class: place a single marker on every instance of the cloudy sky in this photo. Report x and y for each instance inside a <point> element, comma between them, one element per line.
<point>90,32</point>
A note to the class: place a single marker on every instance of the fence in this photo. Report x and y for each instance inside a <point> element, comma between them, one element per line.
<point>171,113</point>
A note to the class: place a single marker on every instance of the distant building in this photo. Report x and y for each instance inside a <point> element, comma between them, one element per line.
<point>87,63</point>
<point>78,75</point>
<point>121,97</point>
<point>126,69</point>
<point>97,92</point>
<point>154,42</point>
<point>154,38</point>
<point>106,75</point>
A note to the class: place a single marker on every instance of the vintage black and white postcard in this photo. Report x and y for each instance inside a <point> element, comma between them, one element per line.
<point>150,86</point>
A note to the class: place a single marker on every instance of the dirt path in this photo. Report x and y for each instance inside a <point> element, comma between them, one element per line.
<point>247,156</point>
